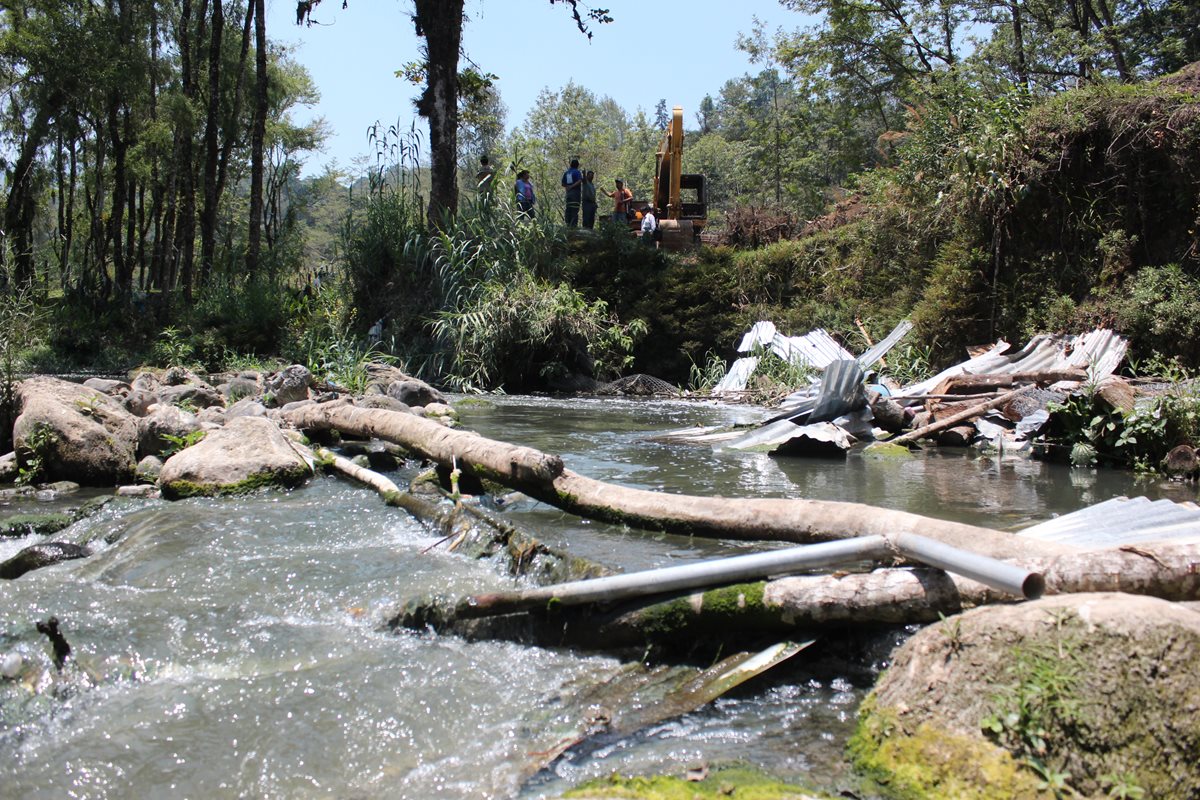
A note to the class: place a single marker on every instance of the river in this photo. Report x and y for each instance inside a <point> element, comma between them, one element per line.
<point>238,647</point>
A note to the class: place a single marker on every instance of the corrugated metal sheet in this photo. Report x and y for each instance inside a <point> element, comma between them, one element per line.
<point>1100,352</point>
<point>1122,520</point>
<point>738,375</point>
<point>815,348</point>
<point>881,348</point>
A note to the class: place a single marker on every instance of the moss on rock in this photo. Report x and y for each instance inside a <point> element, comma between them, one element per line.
<point>1091,692</point>
<point>732,781</point>
<point>934,763</point>
<point>27,524</point>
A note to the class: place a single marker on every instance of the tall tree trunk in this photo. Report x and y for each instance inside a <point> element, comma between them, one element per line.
<point>208,216</point>
<point>116,216</point>
<point>439,23</point>
<point>1014,8</point>
<point>232,123</point>
<point>185,165</point>
<point>21,203</point>
<point>1104,24</point>
<point>257,140</point>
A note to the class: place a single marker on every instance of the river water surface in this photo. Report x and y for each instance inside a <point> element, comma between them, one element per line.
<point>238,649</point>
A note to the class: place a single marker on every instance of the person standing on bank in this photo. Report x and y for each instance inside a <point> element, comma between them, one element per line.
<point>621,198</point>
<point>525,194</point>
<point>649,227</point>
<point>589,200</point>
<point>572,181</point>
<point>485,178</point>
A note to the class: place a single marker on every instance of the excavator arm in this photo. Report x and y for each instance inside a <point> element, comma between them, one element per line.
<point>679,198</point>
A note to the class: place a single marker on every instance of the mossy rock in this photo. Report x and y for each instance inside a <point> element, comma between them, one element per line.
<point>935,763</point>
<point>886,450</point>
<point>733,781</point>
<point>29,524</point>
<point>1095,691</point>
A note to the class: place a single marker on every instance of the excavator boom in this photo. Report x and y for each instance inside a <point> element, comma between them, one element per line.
<point>679,198</point>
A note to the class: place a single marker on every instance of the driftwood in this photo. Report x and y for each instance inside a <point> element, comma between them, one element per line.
<point>1170,571</point>
<point>954,419</point>
<point>967,384</point>
<point>544,477</point>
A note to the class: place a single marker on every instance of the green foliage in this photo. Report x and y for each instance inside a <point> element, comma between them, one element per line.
<point>1122,786</point>
<point>177,443</point>
<point>321,335</point>
<point>1158,308</point>
<point>909,363</point>
<point>22,323</point>
<point>1040,700</point>
<point>1094,432</point>
<point>702,379</point>
<point>174,349</point>
<point>32,456</point>
<point>775,378</point>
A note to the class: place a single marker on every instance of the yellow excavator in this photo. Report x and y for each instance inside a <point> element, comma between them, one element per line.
<point>678,197</point>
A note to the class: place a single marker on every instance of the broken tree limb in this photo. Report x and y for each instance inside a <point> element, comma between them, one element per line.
<point>543,477</point>
<point>392,494</point>
<point>954,419</point>
<point>472,529</point>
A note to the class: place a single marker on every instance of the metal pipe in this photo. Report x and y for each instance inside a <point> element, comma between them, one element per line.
<point>989,571</point>
<point>686,576</point>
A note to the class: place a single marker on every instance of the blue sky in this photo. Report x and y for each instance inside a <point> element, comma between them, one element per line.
<point>677,51</point>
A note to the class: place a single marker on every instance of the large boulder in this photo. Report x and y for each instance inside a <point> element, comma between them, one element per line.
<point>74,433</point>
<point>1099,692</point>
<point>162,422</point>
<point>248,453</point>
<point>289,385</point>
<point>413,392</point>
<point>196,395</point>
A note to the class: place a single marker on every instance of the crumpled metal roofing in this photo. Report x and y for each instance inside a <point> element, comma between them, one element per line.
<point>881,348</point>
<point>1119,521</point>
<point>1099,352</point>
<point>816,349</point>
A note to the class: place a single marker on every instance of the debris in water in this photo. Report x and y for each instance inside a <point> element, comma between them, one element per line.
<point>62,650</point>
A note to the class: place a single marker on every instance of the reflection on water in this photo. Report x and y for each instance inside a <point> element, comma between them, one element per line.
<point>238,654</point>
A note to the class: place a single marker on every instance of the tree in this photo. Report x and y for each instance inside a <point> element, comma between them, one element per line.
<point>439,23</point>
<point>661,118</point>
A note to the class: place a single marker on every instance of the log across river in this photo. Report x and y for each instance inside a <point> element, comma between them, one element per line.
<point>544,477</point>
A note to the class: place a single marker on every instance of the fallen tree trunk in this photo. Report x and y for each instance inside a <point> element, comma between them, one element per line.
<point>722,571</point>
<point>543,477</point>
<point>885,596</point>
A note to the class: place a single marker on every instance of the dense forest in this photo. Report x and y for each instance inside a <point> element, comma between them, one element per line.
<point>985,168</point>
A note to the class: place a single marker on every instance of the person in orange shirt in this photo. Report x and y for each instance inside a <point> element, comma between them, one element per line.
<point>621,198</point>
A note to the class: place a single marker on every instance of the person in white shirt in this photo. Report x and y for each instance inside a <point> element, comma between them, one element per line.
<point>649,226</point>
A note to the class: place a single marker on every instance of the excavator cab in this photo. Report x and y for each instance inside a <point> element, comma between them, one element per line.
<point>679,198</point>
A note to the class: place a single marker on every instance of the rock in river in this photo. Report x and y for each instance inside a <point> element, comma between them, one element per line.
<point>248,453</point>
<point>1101,690</point>
<point>77,433</point>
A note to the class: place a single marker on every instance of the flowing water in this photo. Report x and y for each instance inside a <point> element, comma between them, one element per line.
<point>237,650</point>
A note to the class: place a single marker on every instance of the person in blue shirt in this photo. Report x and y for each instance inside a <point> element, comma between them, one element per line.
<point>572,181</point>
<point>525,195</point>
